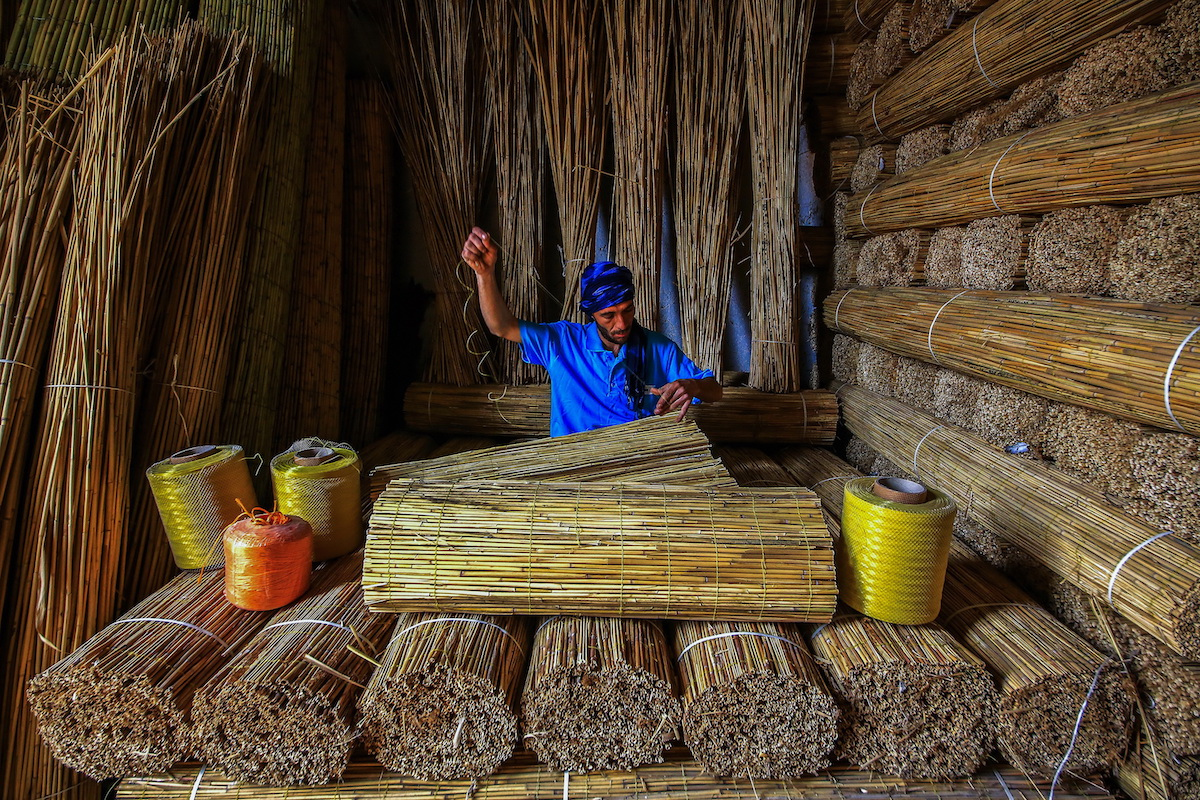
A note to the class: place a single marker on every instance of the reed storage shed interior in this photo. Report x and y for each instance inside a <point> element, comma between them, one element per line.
<point>950,243</point>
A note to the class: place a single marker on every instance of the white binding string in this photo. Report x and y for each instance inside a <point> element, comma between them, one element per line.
<point>86,386</point>
<point>314,622</point>
<point>398,634</point>
<point>917,451</point>
<point>929,338</point>
<point>946,620</point>
<point>1167,377</point>
<point>835,478</point>
<point>173,622</point>
<point>838,309</point>
<point>683,652</point>
<point>1075,734</point>
<point>996,166</point>
<point>566,784</point>
<point>15,363</point>
<point>978,63</point>
<point>1112,579</point>
<point>863,206</point>
<point>196,785</point>
<point>874,118</point>
<point>817,630</point>
<point>860,19</point>
<point>1003,784</point>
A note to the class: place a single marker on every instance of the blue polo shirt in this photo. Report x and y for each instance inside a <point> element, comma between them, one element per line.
<point>587,381</point>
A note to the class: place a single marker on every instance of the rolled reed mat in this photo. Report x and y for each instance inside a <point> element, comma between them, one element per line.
<point>119,704</point>
<point>626,550</point>
<point>600,694</point>
<point>320,484</point>
<point>893,548</point>
<point>268,560</point>
<point>916,702</point>
<point>442,704</point>
<point>754,703</point>
<point>282,711</point>
<point>198,492</point>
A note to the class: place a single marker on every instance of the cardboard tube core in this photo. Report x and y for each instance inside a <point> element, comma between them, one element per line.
<point>900,490</point>
<point>192,453</point>
<point>314,456</point>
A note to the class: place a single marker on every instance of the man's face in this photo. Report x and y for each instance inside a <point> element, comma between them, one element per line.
<point>615,322</point>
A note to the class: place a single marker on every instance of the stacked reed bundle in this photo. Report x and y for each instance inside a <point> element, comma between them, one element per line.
<point>845,358</point>
<point>462,444</point>
<point>956,397</point>
<point>877,369</point>
<point>600,694</point>
<point>931,20</point>
<point>1165,468</point>
<point>943,262</point>
<point>892,50</point>
<point>564,38</point>
<point>1062,347</point>
<point>709,101</point>
<point>976,127</point>
<point>860,454</point>
<point>1148,773</point>
<point>552,547</point>
<point>918,148</point>
<point>894,259</point>
<point>1094,447</point>
<point>120,703</point>
<point>843,155</point>
<point>1009,418</point>
<point>863,17</point>
<point>829,62</point>
<point>875,163</point>
<point>916,382</point>
<point>1149,579</point>
<point>994,251</point>
<point>754,702</point>
<point>1025,174</point>
<point>996,53</point>
<point>518,140</point>
<point>441,705</point>
<point>859,82</point>
<point>777,34</point>
<point>1031,105</point>
<point>1158,258</point>
<point>1127,66</point>
<point>1181,41</point>
<point>1069,250</point>
<point>845,263</point>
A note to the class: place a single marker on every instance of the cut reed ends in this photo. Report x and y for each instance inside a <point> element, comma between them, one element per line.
<point>873,164</point>
<point>894,259</point>
<point>1157,259</point>
<point>944,262</point>
<point>1127,66</point>
<point>918,148</point>
<point>994,251</point>
<point>1070,248</point>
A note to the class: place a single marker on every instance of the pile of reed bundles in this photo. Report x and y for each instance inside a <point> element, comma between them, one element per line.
<point>861,18</point>
<point>845,358</point>
<point>1148,773</point>
<point>1127,66</point>
<point>892,51</point>
<point>894,259</point>
<point>1157,257</point>
<point>994,251</point>
<point>843,156</point>
<point>845,262</point>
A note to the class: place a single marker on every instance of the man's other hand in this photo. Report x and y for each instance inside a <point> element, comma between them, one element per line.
<point>480,252</point>
<point>676,395</point>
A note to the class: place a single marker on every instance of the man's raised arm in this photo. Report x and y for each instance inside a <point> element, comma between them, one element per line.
<point>481,254</point>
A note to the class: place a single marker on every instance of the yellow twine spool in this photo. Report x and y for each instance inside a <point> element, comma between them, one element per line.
<point>320,484</point>
<point>197,492</point>
<point>891,559</point>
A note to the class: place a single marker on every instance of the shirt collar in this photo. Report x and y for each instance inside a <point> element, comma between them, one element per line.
<point>595,343</point>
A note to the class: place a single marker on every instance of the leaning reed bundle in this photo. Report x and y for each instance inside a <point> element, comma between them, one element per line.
<point>754,702</point>
<point>777,34</point>
<point>1131,360</point>
<point>994,251</point>
<point>829,62</point>
<point>1160,135</point>
<point>600,694</point>
<point>931,20</point>
<point>742,415</point>
<point>943,262</point>
<point>564,38</point>
<point>1149,579</point>
<point>442,704</point>
<point>119,704</point>
<point>1127,66</point>
<point>894,259</point>
<point>891,50</point>
<point>709,102</point>
<point>282,710</point>
<point>996,53</point>
<point>875,163</point>
<point>1069,250</point>
<point>1149,773</point>
<point>622,550</point>
<point>1157,258</point>
<point>918,148</point>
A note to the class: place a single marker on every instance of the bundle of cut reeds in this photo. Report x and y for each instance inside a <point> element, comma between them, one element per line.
<point>1069,250</point>
<point>1010,419</point>
<point>845,263</point>
<point>622,550</point>
<point>442,704</point>
<point>1165,468</point>
<point>863,17</point>
<point>874,163</point>
<point>744,415</point>
<point>894,259</point>
<point>994,251</point>
<point>918,148</point>
<point>892,49</point>
<point>916,382</point>
<point>1159,135</point>
<point>956,397</point>
<point>845,358</point>
<point>877,369</point>
<point>119,704</point>
<point>996,52</point>
<point>600,694</point>
<point>943,262</point>
<point>843,155</point>
<point>859,82</point>
<point>1148,578</point>
<point>1150,773</point>
<point>709,102</point>
<point>1181,41</point>
<point>931,20</point>
<point>1157,259</point>
<point>1094,447</point>
<point>1125,67</point>
<point>777,34</point>
<point>754,703</point>
<point>829,62</point>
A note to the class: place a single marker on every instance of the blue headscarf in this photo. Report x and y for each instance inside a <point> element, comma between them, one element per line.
<point>605,284</point>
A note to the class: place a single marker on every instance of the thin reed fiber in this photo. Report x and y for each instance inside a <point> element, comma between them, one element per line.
<point>918,148</point>
<point>943,262</point>
<point>1148,773</point>
<point>1127,66</point>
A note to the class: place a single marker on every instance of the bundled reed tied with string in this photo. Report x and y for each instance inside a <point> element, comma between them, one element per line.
<point>931,20</point>
<point>709,103</point>
<point>874,163</point>
<point>994,251</point>
<point>1146,576</point>
<point>1010,419</point>
<point>777,34</point>
<point>956,397</point>
<point>843,155</point>
<point>863,17</point>
<point>892,50</point>
<point>918,148</point>
<point>120,703</point>
<point>859,83</point>
<point>916,382</point>
<point>754,702</point>
<point>877,369</point>
<point>1092,446</point>
<point>829,62</point>
<point>943,261</point>
<point>1165,470</point>
<point>1157,259</point>
<point>860,454</point>
<point>1151,773</point>
<point>600,694</point>
<point>1070,248</point>
<point>1127,66</point>
<point>894,259</point>
<point>845,358</point>
<point>1181,41</point>
<point>845,263</point>
<point>1084,339</point>
<point>565,41</point>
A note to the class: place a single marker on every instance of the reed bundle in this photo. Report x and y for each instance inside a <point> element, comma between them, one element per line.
<point>1087,543</point>
<point>845,263</point>
<point>754,702</point>
<point>1031,105</point>
<point>1181,41</point>
<point>976,127</point>
<point>845,358</point>
<point>894,259</point>
<point>875,163</point>
<point>829,14</point>
<point>462,444</point>
<point>892,49</point>
<point>709,104</point>
<point>504,547</point>
<point>841,201</point>
<point>1007,417</point>
<point>859,83</point>
<point>1147,773</point>
<point>923,145</point>
<point>119,704</point>
<point>1165,468</point>
<point>1127,66</point>
<point>742,415</point>
<point>1094,447</point>
<point>916,382</point>
<point>395,448</point>
<point>944,262</point>
<point>600,694</point>
<point>829,62</point>
<point>932,20</point>
<point>1108,355</point>
<point>997,52</point>
<point>831,116</point>
<point>877,369</point>
<point>1159,136</point>
<point>863,17</point>
<point>564,38</point>
<point>1069,250</point>
<point>777,35</point>
<point>442,705</point>
<point>518,139</point>
<point>439,115</point>
<point>994,251</point>
<point>956,397</point>
<point>843,155</point>
<point>860,454</point>
<point>1157,259</point>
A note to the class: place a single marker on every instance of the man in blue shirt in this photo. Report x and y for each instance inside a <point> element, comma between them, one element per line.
<point>606,372</point>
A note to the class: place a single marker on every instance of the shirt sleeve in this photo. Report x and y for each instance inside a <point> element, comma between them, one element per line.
<point>537,342</point>
<point>673,364</point>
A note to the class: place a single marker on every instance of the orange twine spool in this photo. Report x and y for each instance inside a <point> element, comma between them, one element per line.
<point>268,559</point>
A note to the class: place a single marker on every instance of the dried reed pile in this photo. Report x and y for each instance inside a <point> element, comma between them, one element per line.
<point>1069,250</point>
<point>442,704</point>
<point>1127,66</point>
<point>892,49</point>
<point>1094,447</point>
<point>860,81</point>
<point>944,262</point>
<point>777,34</point>
<point>1158,258</point>
<point>709,102</point>
<point>829,62</point>
<point>877,369</point>
<point>918,148</point>
<point>995,53</point>
<point>754,702</point>
<point>845,263</point>
<point>931,20</point>
<point>1160,135</point>
<point>845,358</point>
<point>565,40</point>
<point>636,550</point>
<point>1165,469</point>
<point>894,259</point>
<point>994,251</point>
<point>1131,360</point>
<point>1147,773</point>
<point>600,694</point>
<point>1181,41</point>
<point>119,704</point>
<point>956,397</point>
<point>874,163</point>
<point>1150,580</point>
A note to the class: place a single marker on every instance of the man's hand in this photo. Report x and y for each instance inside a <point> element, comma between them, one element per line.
<point>480,252</point>
<point>675,395</point>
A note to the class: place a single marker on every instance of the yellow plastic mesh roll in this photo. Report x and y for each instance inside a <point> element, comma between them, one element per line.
<point>198,498</point>
<point>325,495</point>
<point>891,559</point>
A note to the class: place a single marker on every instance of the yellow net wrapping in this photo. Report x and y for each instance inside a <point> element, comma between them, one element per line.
<point>325,495</point>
